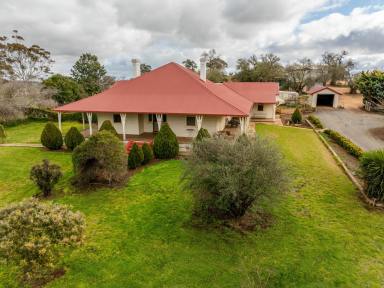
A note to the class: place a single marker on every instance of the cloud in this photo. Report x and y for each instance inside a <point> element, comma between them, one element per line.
<point>171,30</point>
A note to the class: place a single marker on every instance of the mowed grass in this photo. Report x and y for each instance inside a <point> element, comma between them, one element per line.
<point>141,235</point>
<point>30,132</point>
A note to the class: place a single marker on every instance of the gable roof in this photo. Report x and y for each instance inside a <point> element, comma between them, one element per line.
<point>169,89</point>
<point>319,88</point>
<point>257,92</point>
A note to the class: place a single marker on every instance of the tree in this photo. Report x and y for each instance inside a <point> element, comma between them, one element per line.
<point>89,73</point>
<point>21,62</point>
<point>228,177</point>
<point>216,67</point>
<point>165,144</point>
<point>202,134</point>
<point>334,67</point>
<point>66,88</point>
<point>371,85</point>
<point>299,75</point>
<point>144,68</point>
<point>73,138</point>
<point>296,117</point>
<point>190,64</point>
<point>51,137</point>
<point>45,176</point>
<point>147,153</point>
<point>267,69</point>
<point>101,159</point>
<point>32,233</point>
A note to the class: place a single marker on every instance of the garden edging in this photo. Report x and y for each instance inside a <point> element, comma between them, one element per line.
<point>345,168</point>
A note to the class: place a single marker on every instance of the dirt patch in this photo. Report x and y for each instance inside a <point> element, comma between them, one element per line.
<point>377,132</point>
<point>49,278</point>
<point>251,221</point>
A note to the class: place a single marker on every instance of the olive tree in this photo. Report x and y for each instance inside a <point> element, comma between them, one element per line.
<point>228,177</point>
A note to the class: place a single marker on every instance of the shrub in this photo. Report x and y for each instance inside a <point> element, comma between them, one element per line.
<point>51,137</point>
<point>296,117</point>
<point>136,157</point>
<point>371,85</point>
<point>45,176</point>
<point>147,152</point>
<point>203,133</point>
<point>165,145</point>
<point>107,126</point>
<point>73,138</point>
<point>372,168</point>
<point>101,159</point>
<point>344,142</point>
<point>228,177</point>
<point>3,136</point>
<point>31,233</point>
<point>315,121</point>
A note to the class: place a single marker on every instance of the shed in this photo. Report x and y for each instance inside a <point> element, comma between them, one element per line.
<point>324,96</point>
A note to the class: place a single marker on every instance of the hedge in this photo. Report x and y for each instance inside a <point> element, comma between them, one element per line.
<point>315,121</point>
<point>372,170</point>
<point>344,142</point>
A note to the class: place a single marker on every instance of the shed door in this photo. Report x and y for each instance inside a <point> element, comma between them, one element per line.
<point>325,100</point>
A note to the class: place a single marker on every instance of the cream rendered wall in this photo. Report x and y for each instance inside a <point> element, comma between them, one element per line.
<point>131,123</point>
<point>267,113</point>
<point>137,124</point>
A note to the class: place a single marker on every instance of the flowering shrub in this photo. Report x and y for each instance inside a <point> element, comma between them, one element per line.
<point>31,233</point>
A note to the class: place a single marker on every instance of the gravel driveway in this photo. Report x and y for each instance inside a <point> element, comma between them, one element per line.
<point>363,128</point>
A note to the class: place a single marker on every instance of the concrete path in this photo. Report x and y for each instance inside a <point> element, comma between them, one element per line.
<point>22,145</point>
<point>363,128</point>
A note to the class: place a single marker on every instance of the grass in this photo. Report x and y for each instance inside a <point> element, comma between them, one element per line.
<point>141,235</point>
<point>30,132</point>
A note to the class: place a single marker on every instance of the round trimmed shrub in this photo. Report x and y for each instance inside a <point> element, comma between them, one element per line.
<point>101,159</point>
<point>51,137</point>
<point>203,133</point>
<point>107,126</point>
<point>296,117</point>
<point>372,169</point>
<point>136,157</point>
<point>3,136</point>
<point>165,144</point>
<point>73,138</point>
<point>147,152</point>
<point>32,233</point>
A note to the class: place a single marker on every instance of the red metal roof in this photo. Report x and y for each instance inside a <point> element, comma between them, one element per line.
<point>257,92</point>
<point>169,89</point>
<point>319,88</point>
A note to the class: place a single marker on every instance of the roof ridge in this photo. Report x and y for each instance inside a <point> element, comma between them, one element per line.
<point>202,85</point>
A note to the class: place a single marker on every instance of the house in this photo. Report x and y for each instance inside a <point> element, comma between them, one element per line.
<point>324,96</point>
<point>184,99</point>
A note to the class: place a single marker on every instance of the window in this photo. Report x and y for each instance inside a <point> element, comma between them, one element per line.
<point>191,121</point>
<point>116,118</point>
<point>260,107</point>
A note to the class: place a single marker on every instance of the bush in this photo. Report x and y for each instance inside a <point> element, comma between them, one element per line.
<point>228,177</point>
<point>147,153</point>
<point>73,138</point>
<point>31,233</point>
<point>371,85</point>
<point>296,117</point>
<point>136,157</point>
<point>165,144</point>
<point>45,176</point>
<point>315,121</point>
<point>107,126</point>
<point>3,136</point>
<point>101,159</point>
<point>51,137</point>
<point>372,168</point>
<point>344,142</point>
<point>203,133</point>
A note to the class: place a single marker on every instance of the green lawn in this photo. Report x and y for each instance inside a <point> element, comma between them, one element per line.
<point>30,132</point>
<point>141,235</point>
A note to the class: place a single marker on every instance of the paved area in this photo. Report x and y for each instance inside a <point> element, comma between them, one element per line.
<point>363,128</point>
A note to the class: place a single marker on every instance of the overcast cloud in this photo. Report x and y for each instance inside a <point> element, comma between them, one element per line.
<point>160,31</point>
